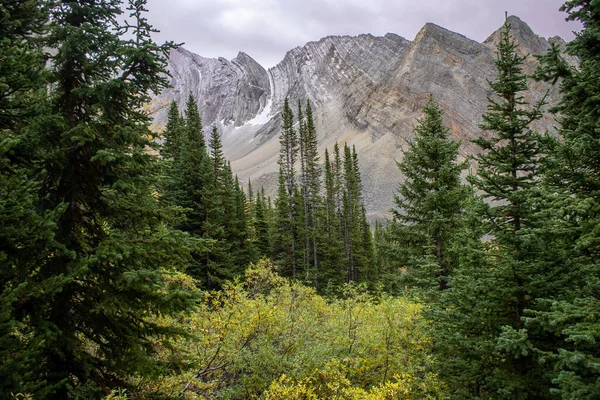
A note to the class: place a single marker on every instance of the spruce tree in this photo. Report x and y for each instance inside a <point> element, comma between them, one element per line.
<point>302,213</point>
<point>172,133</point>
<point>244,250</point>
<point>312,190</point>
<point>429,201</point>
<point>354,226</point>
<point>192,177</point>
<point>564,327</point>
<point>250,201</point>
<point>497,279</point>
<point>109,268</point>
<point>26,232</point>
<point>283,230</point>
<point>332,247</point>
<point>219,208</point>
<point>310,175</point>
<point>171,153</point>
<point>261,227</point>
<point>287,228</point>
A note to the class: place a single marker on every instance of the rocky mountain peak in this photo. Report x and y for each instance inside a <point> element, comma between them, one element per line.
<point>365,90</point>
<point>528,41</point>
<point>433,31</point>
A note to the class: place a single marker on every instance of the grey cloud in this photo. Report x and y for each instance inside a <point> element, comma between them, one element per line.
<point>266,29</point>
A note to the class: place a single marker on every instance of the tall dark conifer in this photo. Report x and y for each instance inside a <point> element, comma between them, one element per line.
<point>283,229</point>
<point>313,200</point>
<point>429,201</point>
<point>93,316</point>
<point>498,277</point>
<point>333,245</point>
<point>261,227</point>
<point>287,204</point>
<point>172,134</point>
<point>27,233</point>
<point>565,325</point>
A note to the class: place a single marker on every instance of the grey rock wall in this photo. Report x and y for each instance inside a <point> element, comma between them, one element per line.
<point>365,90</point>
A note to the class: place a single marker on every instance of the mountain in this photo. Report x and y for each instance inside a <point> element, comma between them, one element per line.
<point>365,90</point>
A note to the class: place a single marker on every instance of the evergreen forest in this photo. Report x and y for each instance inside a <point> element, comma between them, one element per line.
<point>134,264</point>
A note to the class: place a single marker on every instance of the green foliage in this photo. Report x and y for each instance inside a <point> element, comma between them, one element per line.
<point>568,316</point>
<point>172,134</point>
<point>199,179</point>
<point>78,292</point>
<point>429,204</point>
<point>286,205</point>
<point>248,336</point>
<point>260,223</point>
<point>26,233</point>
<point>484,347</point>
<point>325,236</point>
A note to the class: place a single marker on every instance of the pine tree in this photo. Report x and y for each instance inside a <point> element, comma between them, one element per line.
<point>111,268</point>
<point>429,201</point>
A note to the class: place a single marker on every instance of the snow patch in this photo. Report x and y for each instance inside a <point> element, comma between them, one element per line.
<point>264,115</point>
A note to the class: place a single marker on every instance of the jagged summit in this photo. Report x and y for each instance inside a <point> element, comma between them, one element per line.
<point>522,34</point>
<point>365,90</point>
<point>431,30</point>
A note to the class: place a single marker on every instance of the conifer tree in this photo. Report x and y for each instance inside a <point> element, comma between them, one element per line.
<point>171,152</point>
<point>358,249</point>
<point>313,200</point>
<point>250,198</point>
<point>310,175</point>
<point>497,279</point>
<point>286,204</point>
<point>283,229</point>
<point>261,227</point>
<point>565,325</point>
<point>302,214</point>
<point>26,233</point>
<point>109,267</point>
<point>192,188</point>
<point>218,201</point>
<point>193,122</point>
<point>332,252</point>
<point>172,133</point>
<point>429,201</point>
<point>244,251</point>
<point>351,200</point>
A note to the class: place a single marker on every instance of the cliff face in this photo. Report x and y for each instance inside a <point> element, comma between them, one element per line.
<point>228,92</point>
<point>365,90</point>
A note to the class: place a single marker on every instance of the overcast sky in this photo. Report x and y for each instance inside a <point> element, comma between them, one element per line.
<point>267,29</point>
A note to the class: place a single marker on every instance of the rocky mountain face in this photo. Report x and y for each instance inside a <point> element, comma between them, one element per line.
<point>367,91</point>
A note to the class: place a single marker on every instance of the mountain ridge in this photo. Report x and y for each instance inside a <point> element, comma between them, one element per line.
<point>365,90</point>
